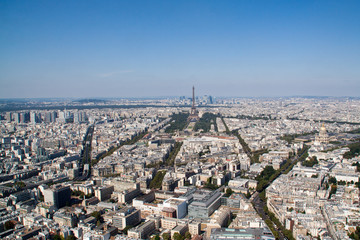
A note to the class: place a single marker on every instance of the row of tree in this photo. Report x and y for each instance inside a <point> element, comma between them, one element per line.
<point>274,220</point>
<point>205,122</point>
<point>171,158</point>
<point>290,137</point>
<point>178,122</point>
<point>157,180</point>
<point>176,236</point>
<point>311,162</point>
<point>354,151</point>
<point>268,175</point>
<point>356,234</point>
<point>112,149</point>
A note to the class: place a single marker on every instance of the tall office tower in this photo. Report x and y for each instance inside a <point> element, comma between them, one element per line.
<point>8,116</point>
<point>34,117</point>
<point>53,116</point>
<point>48,117</point>
<point>17,117</point>
<point>193,113</point>
<point>24,117</point>
<point>77,117</point>
<point>62,117</point>
<point>39,118</point>
<point>82,116</point>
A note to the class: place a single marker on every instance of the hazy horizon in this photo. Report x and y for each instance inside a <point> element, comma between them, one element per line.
<point>172,97</point>
<point>137,49</point>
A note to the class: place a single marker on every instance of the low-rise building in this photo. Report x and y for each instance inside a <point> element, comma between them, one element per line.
<point>142,231</point>
<point>128,216</point>
<point>104,193</point>
<point>248,233</point>
<point>204,203</point>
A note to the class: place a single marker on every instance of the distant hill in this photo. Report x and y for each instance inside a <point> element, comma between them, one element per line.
<point>89,100</point>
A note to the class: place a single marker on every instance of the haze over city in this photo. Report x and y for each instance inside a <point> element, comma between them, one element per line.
<point>85,49</point>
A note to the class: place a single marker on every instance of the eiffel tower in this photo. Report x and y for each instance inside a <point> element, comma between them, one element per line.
<point>193,113</point>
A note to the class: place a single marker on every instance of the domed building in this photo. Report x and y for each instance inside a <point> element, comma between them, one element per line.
<point>322,137</point>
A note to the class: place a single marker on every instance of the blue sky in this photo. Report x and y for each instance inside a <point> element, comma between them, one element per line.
<point>162,48</point>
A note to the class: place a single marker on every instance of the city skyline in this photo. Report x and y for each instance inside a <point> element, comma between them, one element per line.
<point>121,49</point>
<point>288,168</point>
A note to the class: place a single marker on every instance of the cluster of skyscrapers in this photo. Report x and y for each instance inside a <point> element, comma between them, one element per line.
<point>46,116</point>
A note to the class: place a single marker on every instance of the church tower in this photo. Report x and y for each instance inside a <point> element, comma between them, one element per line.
<point>322,137</point>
